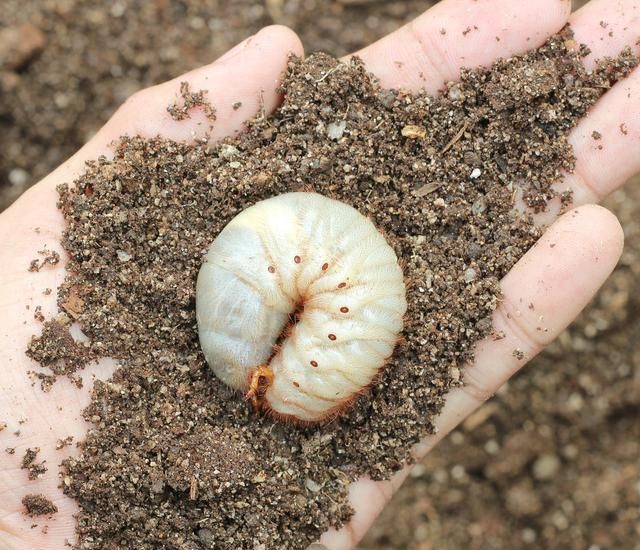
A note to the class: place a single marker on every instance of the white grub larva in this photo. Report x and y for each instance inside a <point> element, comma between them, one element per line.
<point>300,302</point>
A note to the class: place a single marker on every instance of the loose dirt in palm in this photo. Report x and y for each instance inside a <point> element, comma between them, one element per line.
<point>38,505</point>
<point>174,458</point>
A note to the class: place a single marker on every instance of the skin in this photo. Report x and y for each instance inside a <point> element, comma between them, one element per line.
<point>558,280</point>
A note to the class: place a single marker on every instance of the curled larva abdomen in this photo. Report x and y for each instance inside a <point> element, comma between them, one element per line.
<point>300,301</point>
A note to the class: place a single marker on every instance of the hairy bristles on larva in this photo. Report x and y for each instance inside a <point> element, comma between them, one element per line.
<point>304,288</point>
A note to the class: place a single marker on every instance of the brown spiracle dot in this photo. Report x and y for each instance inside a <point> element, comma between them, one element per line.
<point>297,259</point>
<point>314,363</point>
<point>342,285</point>
<point>344,309</point>
<point>271,269</point>
<point>332,336</point>
<point>325,266</point>
<point>296,384</point>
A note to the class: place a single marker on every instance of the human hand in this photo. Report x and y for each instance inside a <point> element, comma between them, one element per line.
<point>569,271</point>
<point>561,280</point>
<point>240,75</point>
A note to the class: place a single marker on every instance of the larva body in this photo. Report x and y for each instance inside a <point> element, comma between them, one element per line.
<point>300,301</point>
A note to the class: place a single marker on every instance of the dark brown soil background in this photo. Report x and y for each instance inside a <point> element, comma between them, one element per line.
<point>551,461</point>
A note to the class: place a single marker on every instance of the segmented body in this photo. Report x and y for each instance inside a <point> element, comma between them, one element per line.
<point>308,286</point>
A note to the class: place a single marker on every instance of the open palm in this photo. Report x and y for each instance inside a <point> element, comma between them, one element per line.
<point>559,279</point>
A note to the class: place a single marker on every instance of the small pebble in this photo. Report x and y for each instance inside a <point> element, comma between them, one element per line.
<point>207,537</point>
<point>469,275</point>
<point>228,151</point>
<point>546,467</point>
<point>312,485</point>
<point>479,206</point>
<point>18,177</point>
<point>335,130</point>
<point>123,256</point>
<point>414,132</point>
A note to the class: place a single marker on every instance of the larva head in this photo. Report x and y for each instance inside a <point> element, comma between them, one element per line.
<point>303,293</point>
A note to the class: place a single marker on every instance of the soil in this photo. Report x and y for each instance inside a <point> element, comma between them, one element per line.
<point>87,57</point>
<point>36,470</point>
<point>56,348</point>
<point>191,463</point>
<point>580,399</point>
<point>180,111</point>
<point>552,460</point>
<point>38,505</point>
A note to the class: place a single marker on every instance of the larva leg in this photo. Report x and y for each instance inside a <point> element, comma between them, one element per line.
<point>261,379</point>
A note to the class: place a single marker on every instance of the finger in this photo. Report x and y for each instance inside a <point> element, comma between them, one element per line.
<point>248,75</point>
<point>239,76</point>
<point>607,26</point>
<point>368,499</point>
<point>239,85</point>
<point>431,50</point>
<point>606,163</point>
<point>606,144</point>
<point>543,293</point>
